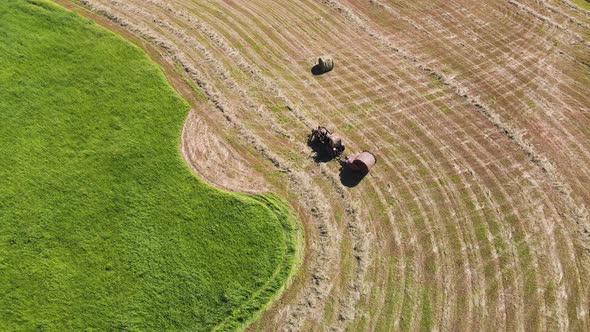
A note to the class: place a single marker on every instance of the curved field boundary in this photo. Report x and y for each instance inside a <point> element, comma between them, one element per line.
<point>474,217</point>
<point>104,226</point>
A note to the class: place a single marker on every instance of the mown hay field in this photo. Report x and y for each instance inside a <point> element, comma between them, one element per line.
<point>476,215</point>
<point>102,224</point>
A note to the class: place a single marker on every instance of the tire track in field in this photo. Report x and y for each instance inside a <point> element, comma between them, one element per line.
<point>564,132</point>
<point>524,70</point>
<point>548,116</point>
<point>548,20</point>
<point>566,16</point>
<point>577,211</point>
<point>575,7</point>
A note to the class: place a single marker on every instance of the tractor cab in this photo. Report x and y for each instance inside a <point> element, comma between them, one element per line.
<point>329,143</point>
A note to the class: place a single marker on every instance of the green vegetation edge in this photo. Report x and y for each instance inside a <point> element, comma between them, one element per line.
<point>582,3</point>
<point>285,272</point>
<point>292,240</point>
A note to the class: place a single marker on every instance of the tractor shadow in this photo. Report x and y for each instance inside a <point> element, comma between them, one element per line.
<point>317,70</point>
<point>350,178</point>
<point>320,155</point>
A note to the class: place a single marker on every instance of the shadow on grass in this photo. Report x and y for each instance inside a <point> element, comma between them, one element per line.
<point>317,70</point>
<point>350,178</point>
<point>320,152</point>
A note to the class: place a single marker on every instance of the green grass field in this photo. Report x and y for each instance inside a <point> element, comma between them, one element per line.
<point>583,3</point>
<point>102,225</point>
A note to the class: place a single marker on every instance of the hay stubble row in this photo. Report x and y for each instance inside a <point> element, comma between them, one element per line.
<point>475,216</point>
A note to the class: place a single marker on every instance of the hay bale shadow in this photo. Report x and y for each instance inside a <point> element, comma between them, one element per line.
<point>317,70</point>
<point>350,178</point>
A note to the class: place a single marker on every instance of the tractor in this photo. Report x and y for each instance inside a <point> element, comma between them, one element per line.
<point>331,144</point>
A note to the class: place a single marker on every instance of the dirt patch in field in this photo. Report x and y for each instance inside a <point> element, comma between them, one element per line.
<point>215,160</point>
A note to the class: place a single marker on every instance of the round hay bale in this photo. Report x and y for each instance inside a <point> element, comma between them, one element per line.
<point>367,159</point>
<point>362,162</point>
<point>326,63</point>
